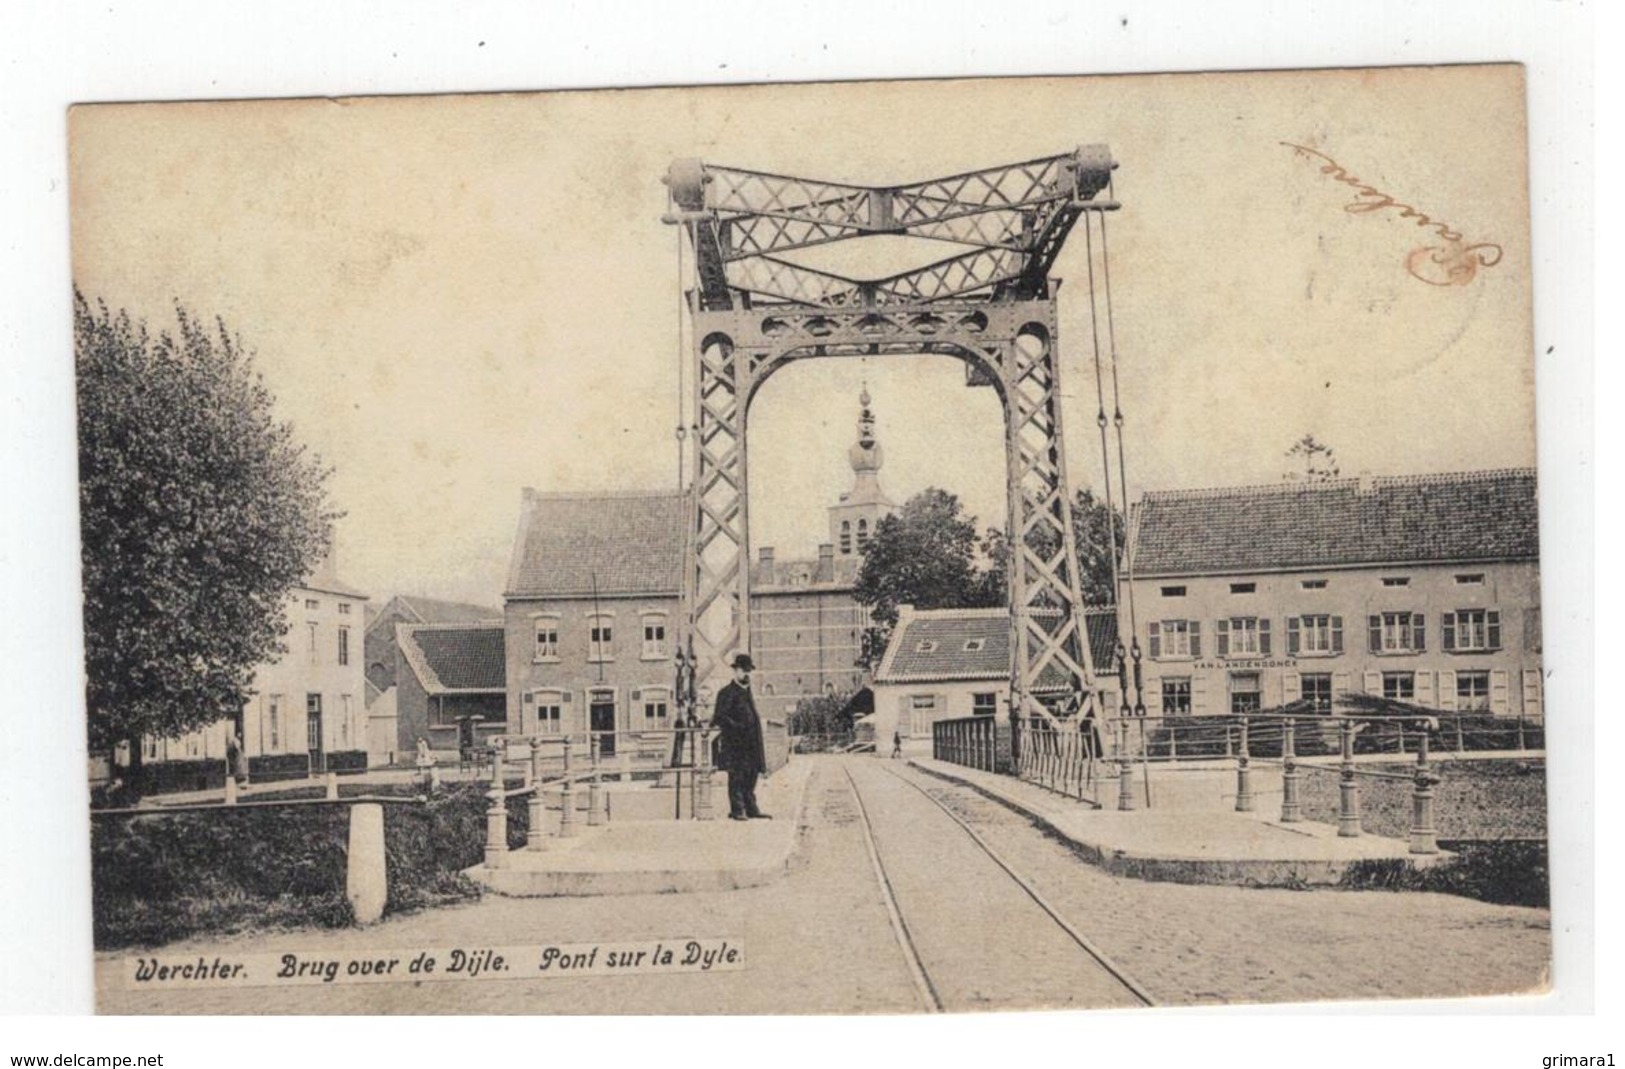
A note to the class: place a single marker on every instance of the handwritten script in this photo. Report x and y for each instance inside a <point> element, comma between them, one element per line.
<point>1451,262</point>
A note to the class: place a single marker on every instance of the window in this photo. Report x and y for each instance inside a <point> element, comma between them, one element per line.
<point>926,646</point>
<point>1314,635</point>
<point>1244,636</point>
<point>601,639</point>
<point>1397,632</point>
<point>654,637</point>
<point>984,704</point>
<point>863,535</point>
<point>1314,584</point>
<point>344,645</point>
<point>1175,639</point>
<point>1472,629</point>
<point>312,629</point>
<point>1176,696</point>
<point>656,708</point>
<point>312,603</point>
<point>273,721</point>
<point>1470,579</point>
<point>1317,690</point>
<point>547,638</point>
<point>1399,686</point>
<point>975,645</point>
<point>344,608</point>
<point>1245,695</point>
<point>1396,580</point>
<point>549,711</point>
<point>1173,591</point>
<point>846,537</point>
<point>1243,588</point>
<point>1473,692</point>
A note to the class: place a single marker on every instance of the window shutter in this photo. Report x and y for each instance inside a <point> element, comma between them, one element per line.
<point>1531,692</point>
<point>1493,621</point>
<point>1373,683</point>
<point>1150,693</point>
<point>1224,638</point>
<point>1449,631</point>
<point>1156,639</point>
<point>1498,691</point>
<point>1198,695</point>
<point>1424,690</point>
<point>1291,687</point>
<point>1196,637</point>
<point>1337,634</point>
<point>1447,690</point>
<point>1374,625</point>
<point>1292,635</point>
<point>1419,633</point>
<point>1340,684</point>
<point>1264,636</point>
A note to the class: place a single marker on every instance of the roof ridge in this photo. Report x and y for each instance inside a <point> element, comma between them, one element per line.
<point>1345,483</point>
<point>494,624</point>
<point>596,495</point>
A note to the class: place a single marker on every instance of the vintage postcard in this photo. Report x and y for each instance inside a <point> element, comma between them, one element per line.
<point>877,547</point>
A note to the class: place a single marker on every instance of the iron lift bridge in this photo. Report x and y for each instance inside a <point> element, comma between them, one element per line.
<point>991,304</point>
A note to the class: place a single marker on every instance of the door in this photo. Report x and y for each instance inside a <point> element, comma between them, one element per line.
<point>602,719</point>
<point>313,733</point>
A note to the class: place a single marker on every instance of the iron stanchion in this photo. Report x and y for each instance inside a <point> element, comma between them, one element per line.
<point>1348,809</point>
<point>534,837</point>
<point>595,789</point>
<point>1125,770</point>
<point>567,811</point>
<point>1291,811</point>
<point>702,778</point>
<point>1424,838</point>
<point>1244,778</point>
<point>496,828</point>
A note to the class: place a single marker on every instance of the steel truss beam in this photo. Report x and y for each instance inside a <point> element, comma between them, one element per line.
<point>991,306</point>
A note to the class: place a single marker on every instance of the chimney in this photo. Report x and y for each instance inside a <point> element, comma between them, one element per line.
<point>767,554</point>
<point>826,563</point>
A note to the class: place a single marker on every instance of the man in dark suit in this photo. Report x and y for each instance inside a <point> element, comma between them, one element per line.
<point>739,742</point>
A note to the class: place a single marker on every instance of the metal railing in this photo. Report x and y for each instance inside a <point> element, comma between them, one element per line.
<point>971,741</point>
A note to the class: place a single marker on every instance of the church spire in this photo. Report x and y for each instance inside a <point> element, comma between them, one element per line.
<point>855,518</point>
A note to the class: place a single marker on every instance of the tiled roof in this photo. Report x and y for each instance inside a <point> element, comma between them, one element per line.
<point>436,611</point>
<point>455,658</point>
<point>974,644</point>
<point>1410,519</point>
<point>628,543</point>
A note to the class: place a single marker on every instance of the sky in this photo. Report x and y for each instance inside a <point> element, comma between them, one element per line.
<point>454,298</point>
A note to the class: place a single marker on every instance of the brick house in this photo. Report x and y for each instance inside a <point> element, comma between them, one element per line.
<point>1420,588</point>
<point>451,685</point>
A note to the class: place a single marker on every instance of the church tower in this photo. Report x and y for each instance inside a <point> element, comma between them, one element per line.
<point>853,520</point>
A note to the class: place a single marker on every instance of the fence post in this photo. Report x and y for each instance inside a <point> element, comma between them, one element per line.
<point>499,757</point>
<point>332,786</point>
<point>1348,809</point>
<point>1291,812</point>
<point>1424,839</point>
<point>1461,747</point>
<point>1520,730</point>
<point>1400,724</point>
<point>496,828</point>
<point>231,788</point>
<point>595,790</point>
<point>1244,777</point>
<point>534,839</point>
<point>567,812</point>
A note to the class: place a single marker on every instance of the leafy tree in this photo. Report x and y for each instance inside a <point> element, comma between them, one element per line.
<point>1095,530</point>
<point>925,555</point>
<point>199,512</point>
<point>1317,461</point>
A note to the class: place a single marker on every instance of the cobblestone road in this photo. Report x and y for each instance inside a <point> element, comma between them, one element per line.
<point>820,940</point>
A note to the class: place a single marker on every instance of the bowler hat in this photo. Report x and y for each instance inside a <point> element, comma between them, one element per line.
<point>743,661</point>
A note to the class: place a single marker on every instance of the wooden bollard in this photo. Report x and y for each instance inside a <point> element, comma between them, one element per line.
<point>1348,788</point>
<point>366,881</point>
<point>1291,811</point>
<point>332,786</point>
<point>496,828</point>
<point>1244,778</point>
<point>1424,838</point>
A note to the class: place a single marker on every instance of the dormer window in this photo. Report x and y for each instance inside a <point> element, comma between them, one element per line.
<point>974,645</point>
<point>926,645</point>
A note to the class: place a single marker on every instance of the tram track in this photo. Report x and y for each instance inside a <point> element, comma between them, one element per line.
<point>931,992</point>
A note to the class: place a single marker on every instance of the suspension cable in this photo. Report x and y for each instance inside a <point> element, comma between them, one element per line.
<point>1100,398</point>
<point>1117,415</point>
